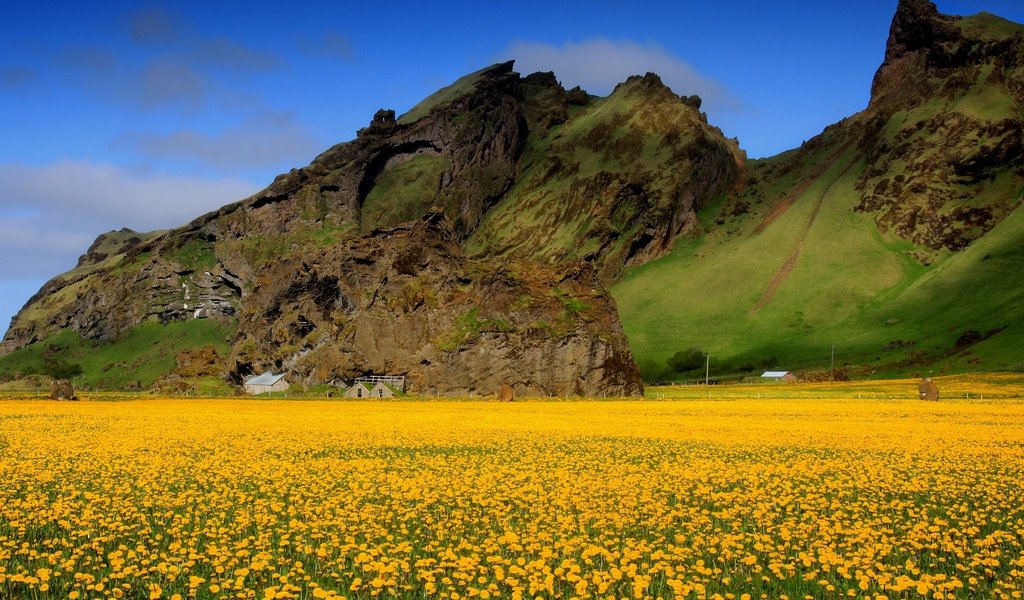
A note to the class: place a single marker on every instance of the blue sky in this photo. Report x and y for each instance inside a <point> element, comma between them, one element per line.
<point>121,114</point>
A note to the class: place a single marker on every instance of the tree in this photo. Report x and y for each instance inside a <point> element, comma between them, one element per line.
<point>685,361</point>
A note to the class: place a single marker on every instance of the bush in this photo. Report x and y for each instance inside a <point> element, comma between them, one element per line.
<point>685,361</point>
<point>60,369</point>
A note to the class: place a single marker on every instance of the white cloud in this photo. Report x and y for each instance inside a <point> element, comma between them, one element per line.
<point>330,45</point>
<point>169,63</point>
<point>266,140</point>
<point>51,213</point>
<point>598,64</point>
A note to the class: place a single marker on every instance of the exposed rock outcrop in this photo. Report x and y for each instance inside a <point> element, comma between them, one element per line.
<point>405,301</point>
<point>932,170</point>
<point>471,143</point>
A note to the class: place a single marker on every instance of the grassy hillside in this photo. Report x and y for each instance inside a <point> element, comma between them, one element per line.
<point>895,235</point>
<point>616,167</point>
<point>403,193</point>
<point>139,357</point>
<point>782,284</point>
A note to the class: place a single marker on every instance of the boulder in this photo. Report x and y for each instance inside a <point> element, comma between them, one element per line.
<point>927,390</point>
<point>61,389</point>
<point>505,393</point>
<point>577,96</point>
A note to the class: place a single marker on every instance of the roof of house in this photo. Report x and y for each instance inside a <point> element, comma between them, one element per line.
<point>393,389</point>
<point>267,378</point>
<point>775,374</point>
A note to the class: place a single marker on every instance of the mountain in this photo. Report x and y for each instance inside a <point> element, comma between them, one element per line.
<point>407,250</point>
<point>896,234</point>
<point>473,242</point>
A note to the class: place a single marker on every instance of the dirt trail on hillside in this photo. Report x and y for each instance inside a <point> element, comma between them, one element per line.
<point>780,209</point>
<point>790,263</point>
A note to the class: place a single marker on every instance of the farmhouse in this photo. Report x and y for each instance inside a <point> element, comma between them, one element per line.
<point>358,390</point>
<point>267,382</point>
<point>384,390</point>
<point>778,376</point>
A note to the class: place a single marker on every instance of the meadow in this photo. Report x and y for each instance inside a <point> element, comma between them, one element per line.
<point>810,496</point>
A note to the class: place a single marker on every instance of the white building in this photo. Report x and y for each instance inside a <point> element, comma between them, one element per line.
<point>267,382</point>
<point>779,376</point>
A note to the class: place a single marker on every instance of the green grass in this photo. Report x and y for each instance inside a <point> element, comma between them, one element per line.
<point>141,355</point>
<point>195,255</point>
<point>403,192</point>
<point>850,286</point>
<point>264,249</point>
<point>442,96</point>
<point>987,26</point>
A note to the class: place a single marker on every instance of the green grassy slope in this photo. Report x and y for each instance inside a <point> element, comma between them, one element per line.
<point>821,273</point>
<point>443,96</point>
<point>895,235</point>
<point>617,166</point>
<point>142,355</point>
<point>403,193</point>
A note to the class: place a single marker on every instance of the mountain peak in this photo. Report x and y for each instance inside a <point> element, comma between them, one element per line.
<point>925,47</point>
<point>916,24</point>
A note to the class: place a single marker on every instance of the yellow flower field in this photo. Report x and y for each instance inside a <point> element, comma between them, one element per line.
<point>739,498</point>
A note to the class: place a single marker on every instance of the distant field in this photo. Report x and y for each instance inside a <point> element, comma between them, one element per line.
<point>953,387</point>
<point>834,494</point>
<point>976,386</point>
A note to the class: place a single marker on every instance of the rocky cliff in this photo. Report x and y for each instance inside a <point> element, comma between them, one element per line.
<point>405,301</point>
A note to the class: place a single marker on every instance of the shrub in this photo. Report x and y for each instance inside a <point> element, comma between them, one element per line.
<point>685,361</point>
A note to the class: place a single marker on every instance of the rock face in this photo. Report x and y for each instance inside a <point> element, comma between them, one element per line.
<point>943,136</point>
<point>461,153</point>
<point>405,301</point>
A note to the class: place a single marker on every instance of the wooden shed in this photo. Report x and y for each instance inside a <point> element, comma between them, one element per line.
<point>785,376</point>
<point>358,390</point>
<point>267,382</point>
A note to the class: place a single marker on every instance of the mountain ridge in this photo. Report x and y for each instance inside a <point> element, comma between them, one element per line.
<point>757,261</point>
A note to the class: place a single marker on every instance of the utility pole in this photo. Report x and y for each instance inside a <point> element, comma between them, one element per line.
<point>707,368</point>
<point>832,363</point>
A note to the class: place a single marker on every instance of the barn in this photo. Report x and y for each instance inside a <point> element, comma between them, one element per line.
<point>267,382</point>
<point>785,376</point>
